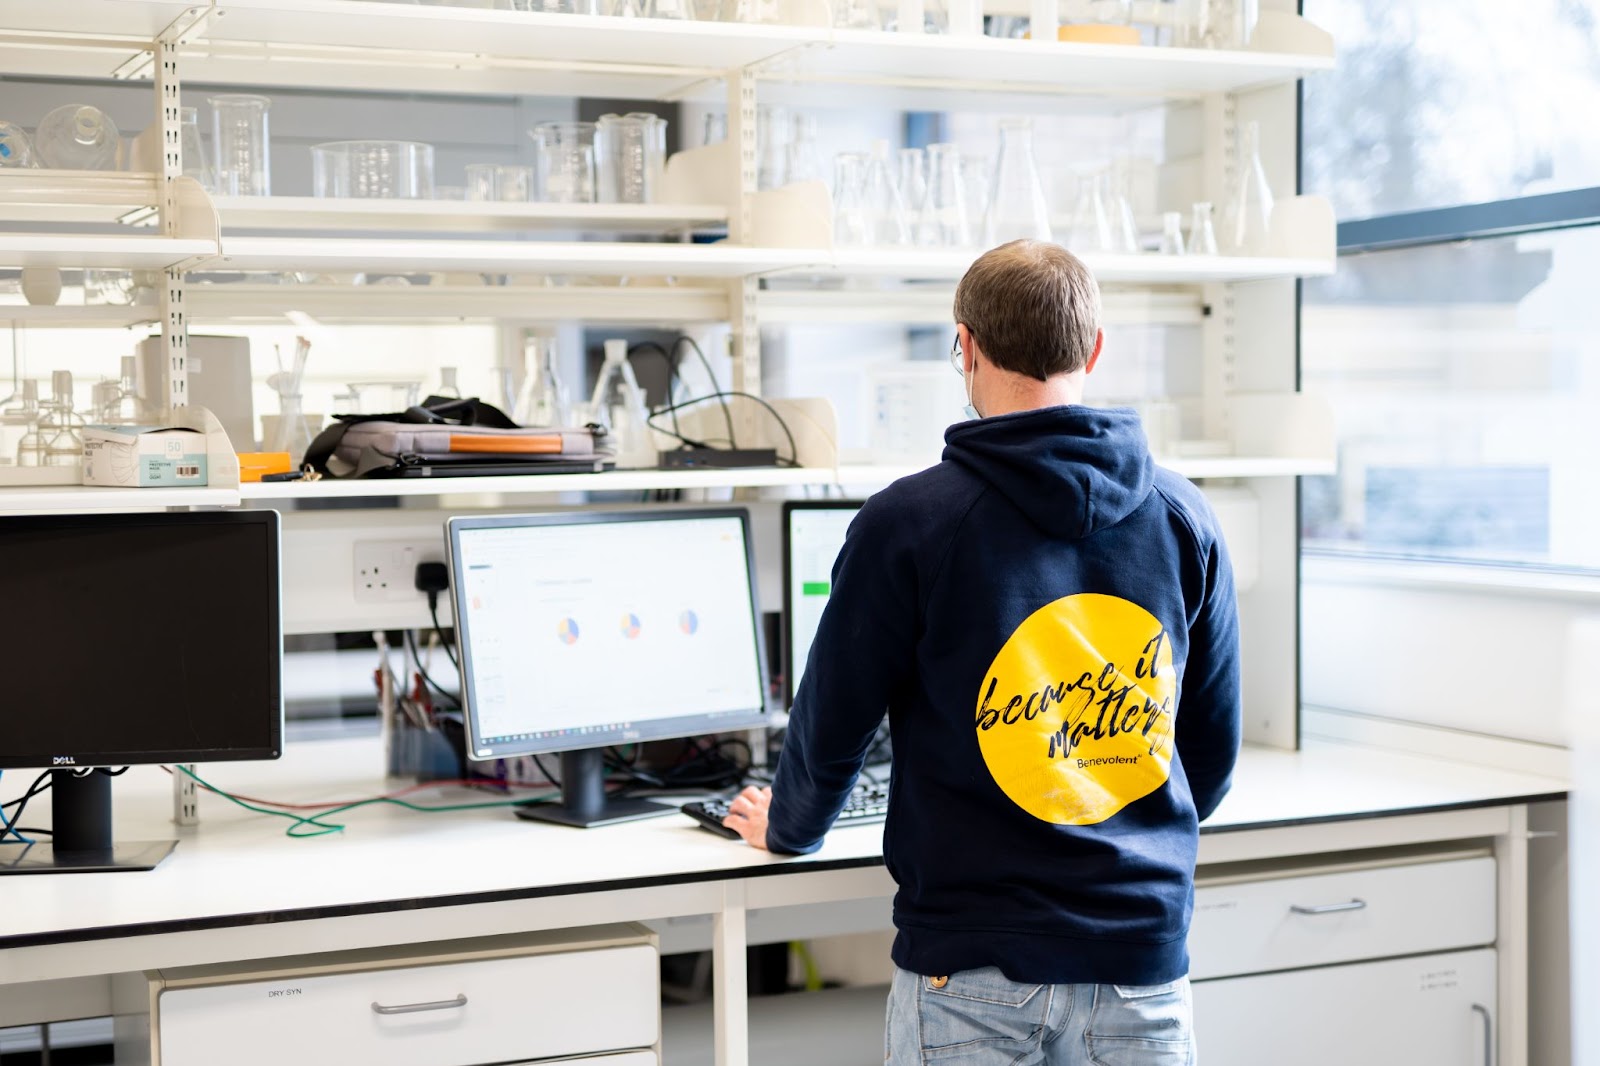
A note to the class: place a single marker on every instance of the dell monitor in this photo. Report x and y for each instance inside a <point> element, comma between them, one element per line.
<point>133,639</point>
<point>582,630</point>
<point>813,534</point>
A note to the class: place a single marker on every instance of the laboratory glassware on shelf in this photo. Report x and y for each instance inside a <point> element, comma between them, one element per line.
<point>1247,217</point>
<point>1017,207</point>
<point>885,207</point>
<point>1124,226</point>
<point>913,180</point>
<point>856,15</point>
<point>1171,233</point>
<point>851,226</point>
<point>447,383</point>
<point>716,128</point>
<point>542,402</point>
<point>560,7</point>
<point>803,159</point>
<point>1202,231</point>
<point>30,446</point>
<point>77,137</point>
<point>566,161</point>
<point>241,144</point>
<point>943,220</point>
<point>630,154</point>
<point>500,182</point>
<point>670,9</point>
<point>772,139</point>
<point>1091,229</point>
<point>196,164</point>
<point>16,147</point>
<point>1218,23</point>
<point>976,171</point>
<point>373,170</point>
<point>63,444</point>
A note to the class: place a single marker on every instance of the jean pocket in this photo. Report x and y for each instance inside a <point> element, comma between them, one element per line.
<point>1141,1025</point>
<point>979,1013</point>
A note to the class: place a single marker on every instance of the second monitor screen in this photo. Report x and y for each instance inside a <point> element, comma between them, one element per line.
<point>591,633</point>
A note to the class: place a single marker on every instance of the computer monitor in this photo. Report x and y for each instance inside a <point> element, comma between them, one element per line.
<point>813,533</point>
<point>134,639</point>
<point>583,630</point>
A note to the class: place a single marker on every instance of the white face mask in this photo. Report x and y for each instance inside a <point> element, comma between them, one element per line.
<point>969,411</point>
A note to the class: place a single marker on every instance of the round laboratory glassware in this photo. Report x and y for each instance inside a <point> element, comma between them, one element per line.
<point>851,226</point>
<point>373,170</point>
<point>1202,233</point>
<point>16,147</point>
<point>625,158</point>
<point>240,144</point>
<point>566,172</point>
<point>1017,207</point>
<point>943,220</point>
<point>196,164</point>
<point>913,180</point>
<point>77,137</point>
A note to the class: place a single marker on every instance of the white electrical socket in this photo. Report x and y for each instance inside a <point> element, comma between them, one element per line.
<point>386,570</point>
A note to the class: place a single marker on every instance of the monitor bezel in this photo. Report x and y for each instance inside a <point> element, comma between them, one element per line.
<point>786,634</point>
<point>88,757</point>
<point>660,729</point>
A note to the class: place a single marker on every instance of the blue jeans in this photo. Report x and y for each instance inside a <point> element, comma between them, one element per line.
<point>983,1018</point>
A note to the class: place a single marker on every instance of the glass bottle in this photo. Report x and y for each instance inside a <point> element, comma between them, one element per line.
<point>1091,230</point>
<point>16,149</point>
<point>30,448</point>
<point>772,136</point>
<point>943,221</point>
<point>1202,233</point>
<point>240,144</point>
<point>1248,216</point>
<point>195,163</point>
<point>77,137</point>
<point>804,160</point>
<point>1171,233</point>
<point>913,183</point>
<point>1017,207</point>
<point>886,208</point>
<point>850,224</point>
<point>64,446</point>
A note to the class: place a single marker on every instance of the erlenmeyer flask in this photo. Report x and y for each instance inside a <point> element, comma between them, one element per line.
<point>1091,221</point>
<point>943,221</point>
<point>850,225</point>
<point>886,208</point>
<point>1017,206</point>
<point>195,163</point>
<point>16,149</point>
<point>77,137</point>
<point>1248,216</point>
<point>1202,234</point>
<point>1124,227</point>
<point>1171,233</point>
<point>913,185</point>
<point>976,171</point>
<point>804,163</point>
<point>544,399</point>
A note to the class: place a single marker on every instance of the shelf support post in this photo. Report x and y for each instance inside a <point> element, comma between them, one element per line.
<point>744,294</point>
<point>1218,339</point>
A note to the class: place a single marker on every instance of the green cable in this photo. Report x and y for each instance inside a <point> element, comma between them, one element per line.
<point>320,828</point>
<point>808,962</point>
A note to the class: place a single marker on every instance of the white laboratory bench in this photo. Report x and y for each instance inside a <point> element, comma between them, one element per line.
<point>237,888</point>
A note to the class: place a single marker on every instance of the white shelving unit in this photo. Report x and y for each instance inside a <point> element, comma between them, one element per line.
<point>285,213</point>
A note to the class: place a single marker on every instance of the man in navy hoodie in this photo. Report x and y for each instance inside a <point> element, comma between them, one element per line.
<point>1050,620</point>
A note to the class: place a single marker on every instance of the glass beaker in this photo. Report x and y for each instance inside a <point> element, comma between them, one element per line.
<point>566,161</point>
<point>886,208</point>
<point>1171,233</point>
<point>804,160</point>
<point>16,147</point>
<point>772,136</point>
<point>1202,233</point>
<point>913,183</point>
<point>850,224</point>
<point>1017,207</point>
<point>195,163</point>
<point>77,137</point>
<point>108,287</point>
<point>1248,216</point>
<point>943,220</point>
<point>500,182</point>
<point>623,158</point>
<point>240,144</point>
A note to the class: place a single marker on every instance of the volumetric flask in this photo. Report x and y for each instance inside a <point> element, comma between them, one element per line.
<point>240,144</point>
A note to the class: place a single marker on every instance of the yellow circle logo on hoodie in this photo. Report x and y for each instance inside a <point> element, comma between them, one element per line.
<point>1075,717</point>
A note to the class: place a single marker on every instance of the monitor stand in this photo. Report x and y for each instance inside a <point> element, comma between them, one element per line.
<point>80,841</point>
<point>584,802</point>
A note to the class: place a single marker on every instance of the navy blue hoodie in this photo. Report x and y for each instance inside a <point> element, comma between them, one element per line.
<point>1050,621</point>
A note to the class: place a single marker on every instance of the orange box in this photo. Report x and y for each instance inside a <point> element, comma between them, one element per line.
<point>255,465</point>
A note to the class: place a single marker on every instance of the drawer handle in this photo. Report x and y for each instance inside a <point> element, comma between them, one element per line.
<point>1330,908</point>
<point>418,1008</point>
<point>1488,1033</point>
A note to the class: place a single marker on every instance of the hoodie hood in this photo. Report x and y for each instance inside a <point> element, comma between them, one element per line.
<point>1071,470</point>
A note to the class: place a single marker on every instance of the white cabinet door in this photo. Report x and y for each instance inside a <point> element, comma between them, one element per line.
<point>1432,1010</point>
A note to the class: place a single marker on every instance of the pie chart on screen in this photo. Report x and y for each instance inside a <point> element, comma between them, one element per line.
<point>568,631</point>
<point>689,623</point>
<point>630,626</point>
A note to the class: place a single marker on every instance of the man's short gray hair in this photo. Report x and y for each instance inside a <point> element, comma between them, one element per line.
<point>1033,307</point>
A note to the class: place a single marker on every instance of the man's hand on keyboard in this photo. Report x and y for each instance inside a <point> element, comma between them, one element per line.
<point>747,816</point>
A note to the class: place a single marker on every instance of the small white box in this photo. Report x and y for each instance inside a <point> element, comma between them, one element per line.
<point>144,456</point>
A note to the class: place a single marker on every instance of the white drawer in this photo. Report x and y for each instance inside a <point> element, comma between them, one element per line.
<point>455,1013</point>
<point>1290,922</point>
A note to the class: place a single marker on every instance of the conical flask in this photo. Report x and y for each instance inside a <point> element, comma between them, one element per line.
<point>851,226</point>
<point>886,208</point>
<point>1248,216</point>
<point>913,183</point>
<point>1017,206</point>
<point>1091,219</point>
<point>804,161</point>
<point>943,221</point>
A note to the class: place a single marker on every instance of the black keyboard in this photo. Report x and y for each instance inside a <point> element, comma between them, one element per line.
<point>868,803</point>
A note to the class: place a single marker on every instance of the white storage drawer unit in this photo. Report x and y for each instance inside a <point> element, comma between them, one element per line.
<point>1434,1010</point>
<point>561,996</point>
<point>1288,922</point>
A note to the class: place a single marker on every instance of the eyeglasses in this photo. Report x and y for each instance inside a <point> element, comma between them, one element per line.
<point>955,356</point>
